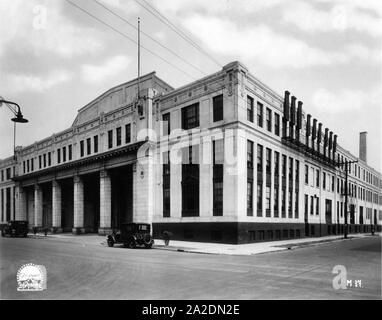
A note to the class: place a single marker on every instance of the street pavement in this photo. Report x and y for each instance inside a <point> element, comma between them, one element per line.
<point>78,268</point>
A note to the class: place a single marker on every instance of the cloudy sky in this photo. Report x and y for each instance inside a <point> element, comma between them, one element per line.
<point>54,58</point>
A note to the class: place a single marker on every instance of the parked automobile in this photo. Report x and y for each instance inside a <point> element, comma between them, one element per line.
<point>132,235</point>
<point>15,228</point>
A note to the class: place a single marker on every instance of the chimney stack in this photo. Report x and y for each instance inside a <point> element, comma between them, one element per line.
<point>363,146</point>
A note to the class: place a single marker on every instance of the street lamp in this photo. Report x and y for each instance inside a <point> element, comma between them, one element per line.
<point>15,108</point>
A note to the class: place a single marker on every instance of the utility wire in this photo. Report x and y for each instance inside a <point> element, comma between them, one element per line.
<point>128,37</point>
<point>176,29</point>
<point>150,37</point>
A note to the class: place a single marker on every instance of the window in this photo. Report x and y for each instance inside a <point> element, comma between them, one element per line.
<point>40,161</point>
<point>95,144</point>
<point>311,205</point>
<point>190,181</point>
<point>70,151</point>
<point>249,108</point>
<point>276,202</point>
<point>119,136</point>
<point>88,146</point>
<point>249,197</point>
<point>290,170</point>
<point>2,175</point>
<point>296,204</point>
<point>268,201</point>
<point>332,183</point>
<point>269,119</point>
<point>32,164</point>
<point>190,116</point>
<point>249,154</point>
<point>166,125</point>
<point>259,199</point>
<point>283,200</point>
<point>306,174</point>
<point>306,206</point>
<point>312,177</point>
<point>82,148</point>
<point>28,165</point>
<point>8,173</point>
<point>283,166</point>
<point>277,124</point>
<point>110,138</point>
<point>128,132</point>
<point>259,114</point>
<point>277,164</point>
<point>268,160</point>
<point>297,174</point>
<point>317,206</point>
<point>49,159</point>
<point>64,154</point>
<point>166,184</point>
<point>218,108</point>
<point>217,180</point>
<point>290,202</point>
<point>324,180</point>
<point>317,178</point>
<point>259,158</point>
<point>58,155</point>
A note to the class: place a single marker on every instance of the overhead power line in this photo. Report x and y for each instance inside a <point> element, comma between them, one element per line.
<point>150,37</point>
<point>129,38</point>
<point>152,10</point>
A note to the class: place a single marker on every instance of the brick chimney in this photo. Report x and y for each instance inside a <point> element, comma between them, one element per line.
<point>363,146</point>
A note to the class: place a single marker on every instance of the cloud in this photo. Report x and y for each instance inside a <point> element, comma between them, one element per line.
<point>176,7</point>
<point>45,29</point>
<point>16,83</point>
<point>345,100</point>
<point>341,17</point>
<point>98,73</point>
<point>272,49</point>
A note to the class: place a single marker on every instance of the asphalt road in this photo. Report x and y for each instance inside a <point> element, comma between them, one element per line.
<point>79,271</point>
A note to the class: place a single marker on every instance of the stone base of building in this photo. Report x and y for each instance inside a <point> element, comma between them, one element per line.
<point>249,232</point>
<point>78,230</point>
<point>56,230</point>
<point>105,231</point>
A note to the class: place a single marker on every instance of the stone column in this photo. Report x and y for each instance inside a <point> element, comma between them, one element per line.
<point>56,207</point>
<point>105,203</point>
<point>13,211</point>
<point>37,206</point>
<point>78,223</point>
<point>20,203</point>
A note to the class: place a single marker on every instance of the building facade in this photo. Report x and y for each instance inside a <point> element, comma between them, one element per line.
<point>223,159</point>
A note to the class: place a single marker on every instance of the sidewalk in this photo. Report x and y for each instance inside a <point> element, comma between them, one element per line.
<point>208,248</point>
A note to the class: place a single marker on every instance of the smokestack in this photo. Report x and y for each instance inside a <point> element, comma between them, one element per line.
<point>299,115</point>
<point>363,146</point>
<point>326,140</point>
<point>319,135</point>
<point>307,133</point>
<point>286,106</point>
<point>314,129</point>
<point>293,111</point>
<point>334,146</point>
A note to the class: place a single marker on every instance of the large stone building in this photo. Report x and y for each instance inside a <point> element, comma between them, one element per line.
<point>223,159</point>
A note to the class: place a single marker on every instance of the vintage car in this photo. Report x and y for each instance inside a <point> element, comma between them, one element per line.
<point>131,235</point>
<point>15,228</point>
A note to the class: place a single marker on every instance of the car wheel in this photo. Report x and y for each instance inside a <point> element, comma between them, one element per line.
<point>132,244</point>
<point>148,245</point>
<point>110,242</point>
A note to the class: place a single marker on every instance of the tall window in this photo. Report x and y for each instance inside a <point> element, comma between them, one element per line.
<point>217,180</point>
<point>259,199</point>
<point>259,114</point>
<point>268,201</point>
<point>317,178</point>
<point>249,108</point>
<point>190,116</point>
<point>249,178</point>
<point>297,174</point>
<point>269,119</point>
<point>110,138</point>
<point>39,162</point>
<point>190,181</point>
<point>317,206</point>
<point>290,170</point>
<point>128,131</point>
<point>277,164</point>
<point>49,159</point>
<point>88,146</point>
<point>277,124</point>
<point>276,184</point>
<point>119,136</point>
<point>166,184</point>
<point>70,152</point>
<point>82,148</point>
<point>218,107</point>
<point>259,158</point>
<point>166,124</point>
<point>58,155</point>
<point>311,205</point>
<point>324,180</point>
<point>306,174</point>
<point>306,206</point>
<point>95,144</point>
<point>276,202</point>
<point>268,160</point>
<point>64,154</point>
<point>296,209</point>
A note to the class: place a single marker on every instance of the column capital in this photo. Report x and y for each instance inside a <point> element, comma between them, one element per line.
<point>55,184</point>
<point>104,173</point>
<point>77,179</point>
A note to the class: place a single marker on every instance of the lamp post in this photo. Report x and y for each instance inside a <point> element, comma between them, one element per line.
<point>15,108</point>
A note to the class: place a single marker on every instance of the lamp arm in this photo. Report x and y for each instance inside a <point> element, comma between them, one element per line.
<point>9,103</point>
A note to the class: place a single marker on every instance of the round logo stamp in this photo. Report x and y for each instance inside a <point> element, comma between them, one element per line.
<point>31,277</point>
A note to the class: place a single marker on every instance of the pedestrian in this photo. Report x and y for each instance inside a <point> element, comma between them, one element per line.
<point>166,235</point>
